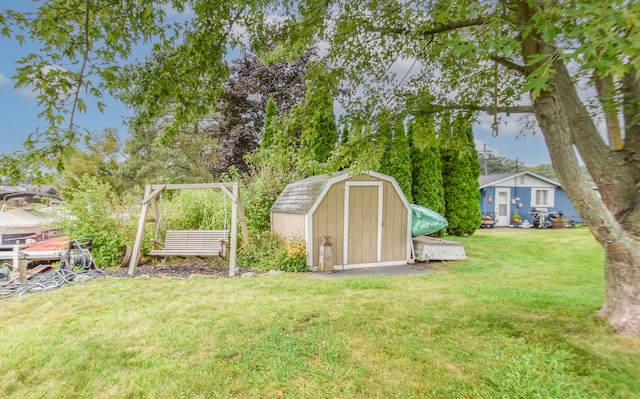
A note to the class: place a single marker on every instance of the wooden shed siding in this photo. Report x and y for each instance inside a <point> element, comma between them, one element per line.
<point>363,224</point>
<point>394,231</point>
<point>288,225</point>
<point>328,221</point>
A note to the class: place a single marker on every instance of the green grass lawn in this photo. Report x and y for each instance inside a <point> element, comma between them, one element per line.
<point>513,321</point>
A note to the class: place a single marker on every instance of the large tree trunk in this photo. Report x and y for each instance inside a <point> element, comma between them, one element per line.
<point>622,293</point>
<point>613,217</point>
<point>621,243</point>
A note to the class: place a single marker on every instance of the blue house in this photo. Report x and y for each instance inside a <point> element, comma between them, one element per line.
<point>525,192</point>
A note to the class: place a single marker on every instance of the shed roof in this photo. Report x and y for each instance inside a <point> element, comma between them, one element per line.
<point>299,197</point>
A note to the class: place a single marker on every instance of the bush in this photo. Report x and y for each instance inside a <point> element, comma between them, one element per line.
<point>202,209</point>
<point>268,251</point>
<point>262,189</point>
<point>91,212</point>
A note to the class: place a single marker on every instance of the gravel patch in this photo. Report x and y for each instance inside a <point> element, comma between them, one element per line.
<point>185,269</point>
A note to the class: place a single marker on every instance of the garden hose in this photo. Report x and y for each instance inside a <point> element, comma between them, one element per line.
<point>51,281</point>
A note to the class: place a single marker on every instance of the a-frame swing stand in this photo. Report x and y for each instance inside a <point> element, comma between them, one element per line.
<point>150,201</point>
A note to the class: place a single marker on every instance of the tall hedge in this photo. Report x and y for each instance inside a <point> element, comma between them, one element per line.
<point>384,139</point>
<point>460,172</point>
<point>401,166</point>
<point>426,166</point>
<point>320,132</point>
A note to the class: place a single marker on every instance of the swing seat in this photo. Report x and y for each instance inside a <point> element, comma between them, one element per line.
<point>204,243</point>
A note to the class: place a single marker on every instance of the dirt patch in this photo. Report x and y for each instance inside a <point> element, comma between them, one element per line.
<point>184,269</point>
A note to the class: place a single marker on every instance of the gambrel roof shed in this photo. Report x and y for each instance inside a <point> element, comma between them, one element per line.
<point>366,216</point>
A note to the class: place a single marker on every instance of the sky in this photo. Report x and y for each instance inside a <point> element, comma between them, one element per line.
<point>19,116</point>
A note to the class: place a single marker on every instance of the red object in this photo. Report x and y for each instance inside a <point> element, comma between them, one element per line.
<point>58,243</point>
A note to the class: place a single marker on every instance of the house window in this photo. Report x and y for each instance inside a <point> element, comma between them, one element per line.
<point>521,180</point>
<point>542,197</point>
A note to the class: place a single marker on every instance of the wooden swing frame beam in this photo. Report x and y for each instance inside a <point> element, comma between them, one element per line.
<point>152,193</point>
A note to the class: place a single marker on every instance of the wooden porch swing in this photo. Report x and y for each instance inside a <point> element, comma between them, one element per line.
<point>205,243</point>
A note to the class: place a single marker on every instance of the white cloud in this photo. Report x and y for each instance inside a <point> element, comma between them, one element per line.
<point>25,91</point>
<point>29,92</point>
<point>55,74</point>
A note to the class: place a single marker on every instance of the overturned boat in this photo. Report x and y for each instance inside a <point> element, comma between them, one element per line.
<point>425,221</point>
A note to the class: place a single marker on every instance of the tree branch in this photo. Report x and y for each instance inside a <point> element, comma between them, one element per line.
<point>85,59</point>
<point>430,31</point>
<point>604,88</point>
<point>490,109</point>
<point>516,109</point>
<point>509,64</point>
<point>452,26</point>
<point>631,110</point>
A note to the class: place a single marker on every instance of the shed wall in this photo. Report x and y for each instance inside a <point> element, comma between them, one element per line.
<point>328,221</point>
<point>394,227</point>
<point>289,225</point>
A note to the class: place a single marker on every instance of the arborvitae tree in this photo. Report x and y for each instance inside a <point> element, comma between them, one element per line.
<point>344,137</point>
<point>426,166</point>
<point>325,130</point>
<point>384,139</point>
<point>460,172</point>
<point>360,150</point>
<point>320,132</point>
<point>396,159</point>
<point>270,114</point>
<point>271,169</point>
<point>400,167</point>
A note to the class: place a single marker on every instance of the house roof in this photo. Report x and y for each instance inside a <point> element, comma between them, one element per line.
<point>492,180</point>
<point>299,197</point>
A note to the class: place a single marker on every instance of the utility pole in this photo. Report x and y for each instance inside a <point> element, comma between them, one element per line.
<point>517,164</point>
<point>485,156</point>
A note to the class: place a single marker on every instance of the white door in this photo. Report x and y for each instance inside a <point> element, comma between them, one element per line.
<point>502,206</point>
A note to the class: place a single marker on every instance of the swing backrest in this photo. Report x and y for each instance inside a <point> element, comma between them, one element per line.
<point>193,243</point>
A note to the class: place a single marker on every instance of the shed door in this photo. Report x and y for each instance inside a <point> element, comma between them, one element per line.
<point>363,222</point>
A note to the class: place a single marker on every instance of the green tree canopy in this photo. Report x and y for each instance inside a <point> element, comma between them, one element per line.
<point>98,157</point>
<point>507,56</point>
<point>182,159</point>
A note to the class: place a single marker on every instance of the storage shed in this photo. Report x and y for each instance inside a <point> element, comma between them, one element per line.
<point>367,218</point>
